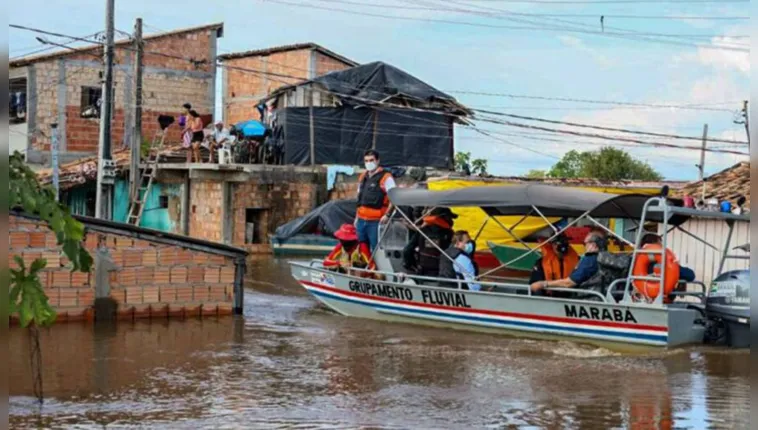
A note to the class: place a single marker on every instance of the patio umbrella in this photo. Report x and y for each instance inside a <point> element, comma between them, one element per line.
<point>251,128</point>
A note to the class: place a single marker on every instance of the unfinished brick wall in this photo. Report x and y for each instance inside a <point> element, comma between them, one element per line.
<point>244,89</point>
<point>150,279</point>
<point>206,210</point>
<point>168,83</point>
<point>279,202</point>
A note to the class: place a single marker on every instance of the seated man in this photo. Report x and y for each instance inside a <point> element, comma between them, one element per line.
<point>458,263</point>
<point>219,138</point>
<point>557,261</point>
<point>685,273</point>
<point>586,269</point>
<point>349,254</point>
<point>421,256</point>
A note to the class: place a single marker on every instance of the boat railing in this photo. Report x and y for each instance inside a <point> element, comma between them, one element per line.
<point>487,287</point>
<point>628,287</point>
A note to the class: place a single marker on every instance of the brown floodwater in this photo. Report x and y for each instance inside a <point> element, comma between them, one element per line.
<point>290,363</point>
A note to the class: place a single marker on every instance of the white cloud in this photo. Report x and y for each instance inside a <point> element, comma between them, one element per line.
<point>579,45</point>
<point>724,59</point>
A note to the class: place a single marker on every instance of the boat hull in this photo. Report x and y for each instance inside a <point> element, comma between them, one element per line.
<point>304,245</point>
<point>606,324</point>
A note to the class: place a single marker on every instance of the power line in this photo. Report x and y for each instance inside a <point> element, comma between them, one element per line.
<point>622,130</point>
<point>629,36</point>
<point>612,1</point>
<point>594,16</point>
<point>613,138</point>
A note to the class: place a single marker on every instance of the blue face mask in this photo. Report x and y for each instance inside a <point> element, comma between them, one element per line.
<point>468,248</point>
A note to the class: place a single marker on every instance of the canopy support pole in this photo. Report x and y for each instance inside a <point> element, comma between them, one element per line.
<point>507,230</point>
<point>599,224</point>
<point>533,250</point>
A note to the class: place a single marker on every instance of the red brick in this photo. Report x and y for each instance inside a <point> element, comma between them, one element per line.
<point>167,257</point>
<point>37,239</point>
<point>217,260</point>
<point>141,244</point>
<point>117,256</point>
<point>201,293</point>
<point>162,275</point>
<point>53,259</point>
<point>91,241</point>
<point>51,241</point>
<point>212,275</point>
<point>183,256</point>
<point>124,242</point>
<point>19,240</point>
<point>227,275</point>
<point>132,258</point>
<point>199,257</point>
<point>134,295</point>
<point>218,293</point>
<point>80,279</point>
<point>61,278</point>
<point>178,275</point>
<point>86,297</point>
<point>53,296</point>
<point>145,276</point>
<point>167,294</point>
<point>29,257</point>
<point>150,294</point>
<point>68,297</point>
<point>127,277</point>
<point>150,258</point>
<point>196,274</point>
<point>184,294</point>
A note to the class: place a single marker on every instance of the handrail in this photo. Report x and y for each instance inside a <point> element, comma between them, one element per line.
<point>395,279</point>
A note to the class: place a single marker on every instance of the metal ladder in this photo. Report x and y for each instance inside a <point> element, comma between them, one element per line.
<point>146,177</point>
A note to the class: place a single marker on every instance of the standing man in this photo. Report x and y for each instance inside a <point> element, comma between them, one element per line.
<point>373,203</point>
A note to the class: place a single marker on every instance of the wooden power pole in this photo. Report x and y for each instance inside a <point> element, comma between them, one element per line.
<point>701,166</point>
<point>139,66</point>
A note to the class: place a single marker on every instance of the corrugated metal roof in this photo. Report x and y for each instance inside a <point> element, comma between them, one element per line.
<point>285,48</point>
<point>24,61</point>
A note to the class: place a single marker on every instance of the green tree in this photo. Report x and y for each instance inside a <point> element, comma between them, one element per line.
<point>479,166</point>
<point>536,174</point>
<point>26,295</point>
<point>608,164</point>
<point>462,161</point>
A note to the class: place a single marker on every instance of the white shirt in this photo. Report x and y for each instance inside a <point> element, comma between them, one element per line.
<point>219,136</point>
<point>465,268</point>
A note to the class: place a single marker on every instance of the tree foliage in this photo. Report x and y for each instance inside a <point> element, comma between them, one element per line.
<point>464,163</point>
<point>536,174</point>
<point>26,295</point>
<point>608,164</point>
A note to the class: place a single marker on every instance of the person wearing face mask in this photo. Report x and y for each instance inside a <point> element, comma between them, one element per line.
<point>349,253</point>
<point>373,203</point>
<point>584,272</point>
<point>557,261</point>
<point>459,263</point>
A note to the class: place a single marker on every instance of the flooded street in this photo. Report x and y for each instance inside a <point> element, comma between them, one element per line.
<point>291,363</point>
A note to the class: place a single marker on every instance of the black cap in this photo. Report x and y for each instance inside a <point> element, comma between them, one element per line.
<point>443,212</point>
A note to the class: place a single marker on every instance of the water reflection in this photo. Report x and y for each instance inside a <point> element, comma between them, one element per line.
<point>290,362</point>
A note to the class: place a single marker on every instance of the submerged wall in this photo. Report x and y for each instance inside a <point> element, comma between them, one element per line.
<point>143,273</point>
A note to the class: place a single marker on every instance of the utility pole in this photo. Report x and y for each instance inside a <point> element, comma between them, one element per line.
<point>747,121</point>
<point>134,178</point>
<point>54,149</point>
<point>105,171</point>
<point>701,166</point>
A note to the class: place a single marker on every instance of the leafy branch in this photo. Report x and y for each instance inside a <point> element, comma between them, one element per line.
<point>26,294</point>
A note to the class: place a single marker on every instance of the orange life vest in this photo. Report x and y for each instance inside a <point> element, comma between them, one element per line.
<point>551,263</point>
<point>372,198</point>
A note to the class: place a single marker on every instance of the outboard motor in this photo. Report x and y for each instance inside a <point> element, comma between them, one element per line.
<point>728,310</point>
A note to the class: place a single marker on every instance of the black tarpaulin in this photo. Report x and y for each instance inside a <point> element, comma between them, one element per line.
<point>378,81</point>
<point>551,201</point>
<point>342,134</point>
<point>325,219</point>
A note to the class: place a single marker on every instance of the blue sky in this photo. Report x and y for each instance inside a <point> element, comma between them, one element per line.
<point>489,58</point>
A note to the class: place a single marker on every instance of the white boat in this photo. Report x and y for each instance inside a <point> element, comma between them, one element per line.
<point>615,317</point>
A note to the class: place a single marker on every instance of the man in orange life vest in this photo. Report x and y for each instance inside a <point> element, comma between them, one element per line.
<point>373,203</point>
<point>558,260</point>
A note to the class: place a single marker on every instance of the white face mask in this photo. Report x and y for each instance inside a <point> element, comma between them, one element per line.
<point>371,166</point>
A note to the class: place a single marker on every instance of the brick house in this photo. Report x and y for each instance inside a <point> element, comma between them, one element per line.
<point>284,65</point>
<point>64,87</point>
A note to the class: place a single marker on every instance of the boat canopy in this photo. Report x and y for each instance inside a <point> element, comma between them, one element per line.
<point>550,201</point>
<point>325,219</point>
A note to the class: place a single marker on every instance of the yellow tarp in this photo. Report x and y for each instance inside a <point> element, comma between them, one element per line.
<point>472,219</point>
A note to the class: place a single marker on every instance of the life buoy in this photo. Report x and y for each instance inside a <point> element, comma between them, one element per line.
<point>648,264</point>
